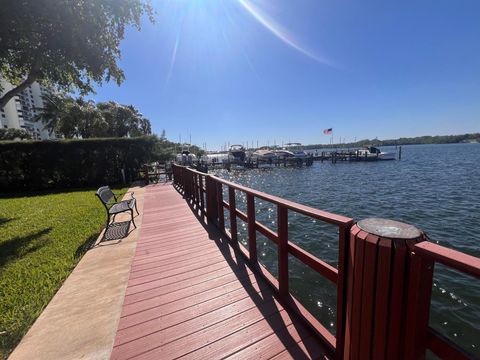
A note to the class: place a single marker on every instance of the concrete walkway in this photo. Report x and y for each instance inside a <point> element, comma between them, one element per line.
<point>82,319</point>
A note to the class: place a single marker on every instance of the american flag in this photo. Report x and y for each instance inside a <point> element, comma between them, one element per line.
<point>328,131</point>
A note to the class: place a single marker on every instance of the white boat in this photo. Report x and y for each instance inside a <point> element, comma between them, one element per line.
<point>294,149</point>
<point>373,153</point>
<point>215,158</point>
<point>237,153</point>
<point>264,154</point>
<point>185,158</point>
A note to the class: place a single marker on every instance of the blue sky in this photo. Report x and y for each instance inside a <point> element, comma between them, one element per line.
<point>283,71</point>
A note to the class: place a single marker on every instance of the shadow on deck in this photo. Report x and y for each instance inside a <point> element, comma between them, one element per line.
<point>191,294</point>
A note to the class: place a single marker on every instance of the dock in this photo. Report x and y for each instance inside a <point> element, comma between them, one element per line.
<point>183,286</point>
<point>192,295</point>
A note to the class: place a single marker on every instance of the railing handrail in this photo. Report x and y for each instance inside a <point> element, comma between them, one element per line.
<point>456,260</point>
<point>451,258</point>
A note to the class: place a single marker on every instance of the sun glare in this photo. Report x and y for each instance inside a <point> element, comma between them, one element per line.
<point>276,29</point>
<point>221,27</point>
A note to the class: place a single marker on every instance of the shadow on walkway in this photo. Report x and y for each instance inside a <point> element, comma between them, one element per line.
<point>264,300</point>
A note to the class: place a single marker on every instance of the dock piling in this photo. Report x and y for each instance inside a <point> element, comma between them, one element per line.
<point>381,304</point>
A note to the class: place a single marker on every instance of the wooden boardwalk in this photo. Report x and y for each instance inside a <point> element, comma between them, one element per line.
<point>191,295</point>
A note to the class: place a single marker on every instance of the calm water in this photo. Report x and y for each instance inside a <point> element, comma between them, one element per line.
<point>435,187</point>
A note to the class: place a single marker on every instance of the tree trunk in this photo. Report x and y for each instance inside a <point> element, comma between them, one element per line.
<point>16,90</point>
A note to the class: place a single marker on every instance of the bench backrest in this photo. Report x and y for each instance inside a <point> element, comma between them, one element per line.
<point>105,195</point>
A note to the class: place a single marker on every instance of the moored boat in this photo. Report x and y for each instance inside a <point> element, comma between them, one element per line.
<point>185,158</point>
<point>295,149</point>
<point>237,153</point>
<point>373,153</point>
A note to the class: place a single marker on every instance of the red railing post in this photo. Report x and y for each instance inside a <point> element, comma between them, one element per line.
<point>233,213</point>
<point>211,196</point>
<point>198,184</point>
<point>194,188</point>
<point>343,236</point>
<point>188,183</point>
<point>220,216</point>
<point>202,193</point>
<point>377,297</point>
<point>420,281</point>
<point>184,182</point>
<point>252,232</point>
<point>191,185</point>
<point>282,222</point>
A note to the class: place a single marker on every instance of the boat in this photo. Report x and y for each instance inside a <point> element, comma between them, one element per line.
<point>237,153</point>
<point>185,158</point>
<point>293,149</point>
<point>215,158</point>
<point>374,153</point>
<point>264,154</point>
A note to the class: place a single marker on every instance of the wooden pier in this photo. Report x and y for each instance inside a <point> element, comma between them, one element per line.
<point>384,279</point>
<point>191,294</point>
<point>349,156</point>
<point>257,163</point>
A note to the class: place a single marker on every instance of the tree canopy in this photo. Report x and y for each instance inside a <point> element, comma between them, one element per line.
<point>70,44</point>
<point>440,139</point>
<point>71,118</point>
<point>12,134</point>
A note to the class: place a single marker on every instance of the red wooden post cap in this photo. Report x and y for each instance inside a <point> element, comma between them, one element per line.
<point>378,296</point>
<point>389,229</point>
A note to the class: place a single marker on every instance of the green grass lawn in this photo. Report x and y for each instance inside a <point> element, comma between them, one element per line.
<point>42,238</point>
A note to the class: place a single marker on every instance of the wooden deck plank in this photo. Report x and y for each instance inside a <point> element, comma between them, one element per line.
<point>190,294</point>
<point>134,283</point>
<point>173,289</point>
<point>161,287</point>
<point>187,306</point>
<point>185,344</point>
<point>175,263</point>
<point>246,337</point>
<point>158,272</point>
<point>179,295</point>
<point>307,349</point>
<point>273,343</point>
<point>165,309</point>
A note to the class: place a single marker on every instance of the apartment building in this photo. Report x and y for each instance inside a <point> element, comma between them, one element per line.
<point>21,111</point>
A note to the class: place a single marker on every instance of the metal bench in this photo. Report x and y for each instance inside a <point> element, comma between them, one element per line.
<point>116,207</point>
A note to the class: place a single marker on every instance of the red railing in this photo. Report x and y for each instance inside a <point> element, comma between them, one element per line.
<point>425,255</point>
<point>206,191</point>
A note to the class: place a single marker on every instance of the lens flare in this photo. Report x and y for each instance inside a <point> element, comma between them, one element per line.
<point>172,60</point>
<point>280,32</point>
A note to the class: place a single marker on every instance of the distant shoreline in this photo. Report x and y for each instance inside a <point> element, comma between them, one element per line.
<point>419,140</point>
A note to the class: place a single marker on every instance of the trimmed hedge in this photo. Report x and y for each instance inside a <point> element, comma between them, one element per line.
<point>34,165</point>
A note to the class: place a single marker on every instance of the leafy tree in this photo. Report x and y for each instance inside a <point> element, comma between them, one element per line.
<point>71,117</point>
<point>442,139</point>
<point>91,122</point>
<point>124,120</point>
<point>62,115</point>
<point>71,44</point>
<point>12,134</point>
